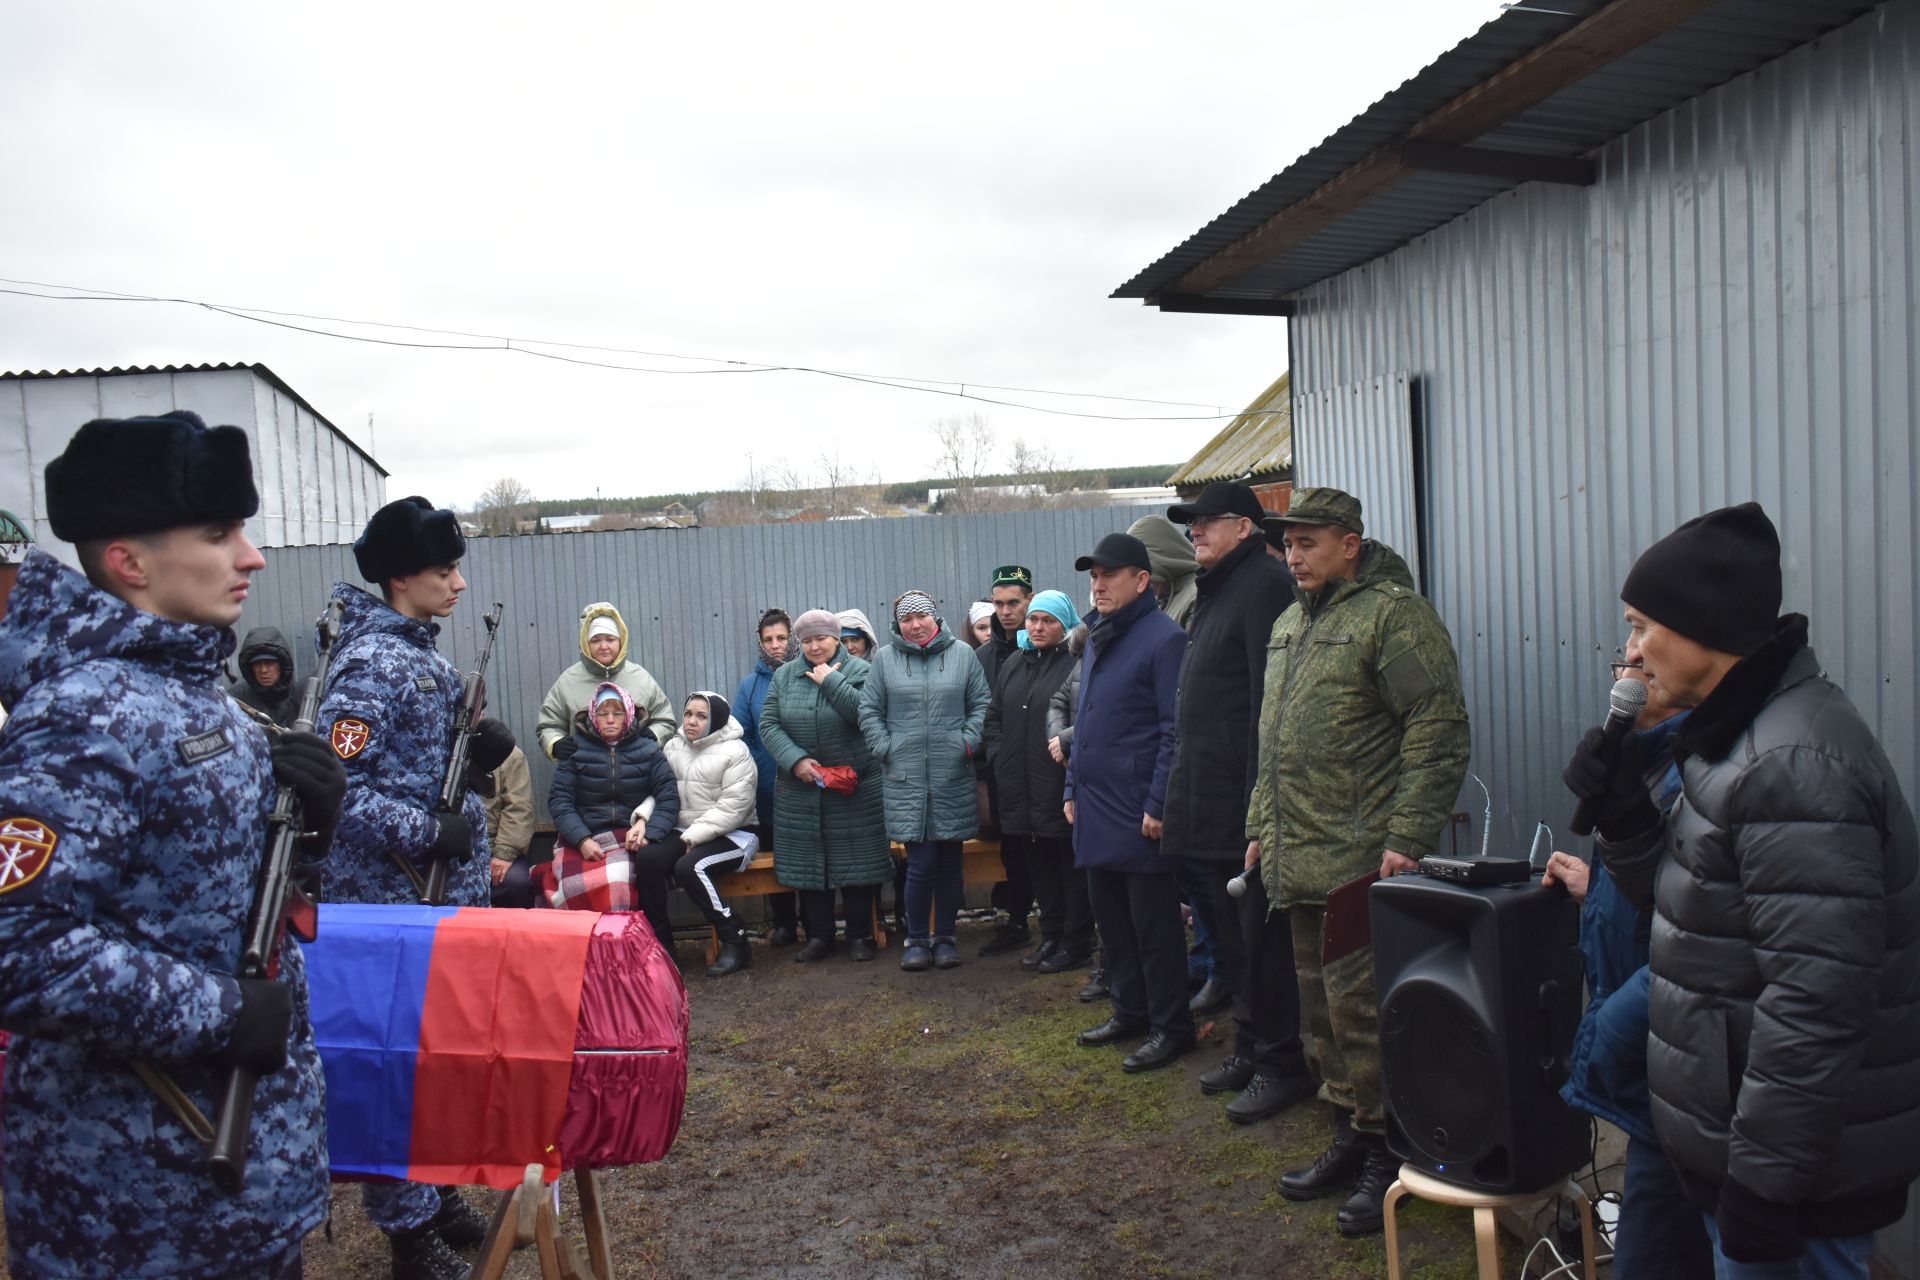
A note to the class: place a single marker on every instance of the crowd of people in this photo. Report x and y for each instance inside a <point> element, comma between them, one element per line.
<point>1258,710</point>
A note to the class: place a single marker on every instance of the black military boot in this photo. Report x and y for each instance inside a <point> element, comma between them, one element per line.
<point>1333,1172</point>
<point>734,956</point>
<point>457,1222</point>
<point>420,1254</point>
<point>1362,1214</point>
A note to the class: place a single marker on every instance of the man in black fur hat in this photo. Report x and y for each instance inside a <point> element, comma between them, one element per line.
<point>389,711</point>
<point>1784,1052</point>
<point>133,821</point>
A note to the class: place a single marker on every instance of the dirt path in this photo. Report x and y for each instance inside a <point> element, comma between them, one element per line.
<point>857,1121</point>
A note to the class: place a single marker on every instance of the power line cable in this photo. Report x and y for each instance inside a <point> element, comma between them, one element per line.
<point>529,347</point>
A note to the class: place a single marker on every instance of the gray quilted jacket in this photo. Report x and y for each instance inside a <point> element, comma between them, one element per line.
<point>1785,1005</point>
<point>924,714</point>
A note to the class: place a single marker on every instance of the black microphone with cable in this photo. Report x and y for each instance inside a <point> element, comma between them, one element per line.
<point>1624,705</point>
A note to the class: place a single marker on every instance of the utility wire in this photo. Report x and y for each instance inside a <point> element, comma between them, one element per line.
<point>529,347</point>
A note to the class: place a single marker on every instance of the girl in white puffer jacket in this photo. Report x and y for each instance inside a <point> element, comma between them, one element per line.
<point>718,780</point>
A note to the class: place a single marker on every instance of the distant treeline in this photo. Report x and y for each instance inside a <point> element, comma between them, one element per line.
<point>904,491</point>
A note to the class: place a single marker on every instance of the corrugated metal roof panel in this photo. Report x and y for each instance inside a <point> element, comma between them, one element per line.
<point>1724,41</point>
<point>1257,443</point>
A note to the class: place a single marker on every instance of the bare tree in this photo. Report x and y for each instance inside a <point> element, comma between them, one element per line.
<point>966,453</point>
<point>837,477</point>
<point>501,506</point>
<point>1038,470</point>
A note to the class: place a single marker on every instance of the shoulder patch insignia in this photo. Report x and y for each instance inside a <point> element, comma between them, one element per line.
<point>425,684</point>
<point>26,847</point>
<point>203,747</point>
<point>350,738</point>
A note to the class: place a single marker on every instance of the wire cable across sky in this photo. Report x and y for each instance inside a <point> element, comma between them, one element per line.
<point>547,349</point>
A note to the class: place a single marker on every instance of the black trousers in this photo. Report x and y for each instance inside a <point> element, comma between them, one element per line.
<point>1066,915</point>
<point>782,908</point>
<point>1015,894</point>
<point>669,862</point>
<point>1139,915</point>
<point>1258,945</point>
<point>816,909</point>
<point>517,889</point>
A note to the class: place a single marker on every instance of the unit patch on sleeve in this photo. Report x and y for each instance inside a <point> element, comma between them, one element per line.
<point>203,747</point>
<point>425,684</point>
<point>349,738</point>
<point>26,847</point>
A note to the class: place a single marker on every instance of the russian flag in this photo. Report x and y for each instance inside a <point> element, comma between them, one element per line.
<point>447,1035</point>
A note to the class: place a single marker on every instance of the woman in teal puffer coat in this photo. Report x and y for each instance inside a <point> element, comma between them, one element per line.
<point>826,839</point>
<point>924,714</point>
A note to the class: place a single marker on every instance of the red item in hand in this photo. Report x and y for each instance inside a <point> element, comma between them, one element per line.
<point>839,777</point>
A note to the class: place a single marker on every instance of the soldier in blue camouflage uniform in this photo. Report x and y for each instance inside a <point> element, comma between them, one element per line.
<point>389,711</point>
<point>134,797</point>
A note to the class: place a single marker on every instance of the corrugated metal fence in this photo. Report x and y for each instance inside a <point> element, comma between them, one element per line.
<point>691,597</point>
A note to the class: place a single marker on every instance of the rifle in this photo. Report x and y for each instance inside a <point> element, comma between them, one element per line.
<point>453,785</point>
<point>278,905</point>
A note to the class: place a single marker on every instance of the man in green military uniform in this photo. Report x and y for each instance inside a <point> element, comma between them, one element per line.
<point>1363,748</point>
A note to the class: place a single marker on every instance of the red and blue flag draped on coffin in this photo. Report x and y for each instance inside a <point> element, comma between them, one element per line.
<point>462,1044</point>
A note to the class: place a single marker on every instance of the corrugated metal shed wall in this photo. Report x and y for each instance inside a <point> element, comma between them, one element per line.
<point>314,486</point>
<point>1366,429</point>
<point>1728,314</point>
<point>691,597</point>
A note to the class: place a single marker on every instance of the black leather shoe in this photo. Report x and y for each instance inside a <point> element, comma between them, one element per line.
<point>816,949</point>
<point>1362,1214</point>
<point>1267,1096</point>
<point>734,956</point>
<point>1332,1172</point>
<point>1114,1028</point>
<point>861,949</point>
<point>1034,958</point>
<point>457,1222</point>
<point>1008,937</point>
<point>1230,1076</point>
<point>1064,961</point>
<point>1160,1050</point>
<point>1096,988</point>
<point>420,1254</point>
<point>783,935</point>
<point>1214,994</point>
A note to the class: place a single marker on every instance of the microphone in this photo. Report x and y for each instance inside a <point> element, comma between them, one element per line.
<point>1624,705</point>
<point>1238,885</point>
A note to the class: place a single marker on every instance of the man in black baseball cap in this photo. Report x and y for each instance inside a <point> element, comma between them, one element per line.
<point>1117,551</point>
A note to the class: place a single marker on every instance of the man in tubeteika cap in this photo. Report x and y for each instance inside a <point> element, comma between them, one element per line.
<point>389,711</point>
<point>133,821</point>
<point>1784,1051</point>
<point>1363,747</point>
<point>1011,593</point>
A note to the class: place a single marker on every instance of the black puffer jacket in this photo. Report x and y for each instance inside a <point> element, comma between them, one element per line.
<point>1216,755</point>
<point>598,787</point>
<point>1785,1044</point>
<point>1028,782</point>
<point>275,700</point>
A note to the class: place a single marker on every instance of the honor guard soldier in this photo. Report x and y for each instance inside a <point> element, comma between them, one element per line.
<point>389,712</point>
<point>134,797</point>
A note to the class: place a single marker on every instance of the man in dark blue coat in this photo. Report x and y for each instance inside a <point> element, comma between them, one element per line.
<point>1116,797</point>
<point>134,797</point>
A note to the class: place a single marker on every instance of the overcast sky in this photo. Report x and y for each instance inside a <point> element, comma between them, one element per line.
<point>904,190</point>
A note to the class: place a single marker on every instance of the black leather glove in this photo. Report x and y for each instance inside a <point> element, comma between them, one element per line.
<point>564,749</point>
<point>453,842</point>
<point>306,763</point>
<point>491,745</point>
<point>1614,781</point>
<point>1755,1230</point>
<point>259,1039</point>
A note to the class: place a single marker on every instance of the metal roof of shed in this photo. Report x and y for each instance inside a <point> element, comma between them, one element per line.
<point>259,370</point>
<point>1257,443</point>
<point>1724,40</point>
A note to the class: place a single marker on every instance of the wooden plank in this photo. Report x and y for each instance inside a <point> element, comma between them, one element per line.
<point>497,1249</point>
<point>1534,77</point>
<point>1223,306</point>
<point>595,1220</point>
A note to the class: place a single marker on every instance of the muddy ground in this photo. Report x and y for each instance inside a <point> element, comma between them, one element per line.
<point>856,1121</point>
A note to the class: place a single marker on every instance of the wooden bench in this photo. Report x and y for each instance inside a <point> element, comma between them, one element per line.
<point>979,864</point>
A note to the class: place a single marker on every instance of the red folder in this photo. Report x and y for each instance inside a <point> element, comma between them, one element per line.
<point>1347,927</point>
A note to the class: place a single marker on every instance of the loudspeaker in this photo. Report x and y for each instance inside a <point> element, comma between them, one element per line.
<point>1480,995</point>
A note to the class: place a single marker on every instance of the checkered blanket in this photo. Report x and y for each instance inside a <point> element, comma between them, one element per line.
<point>606,885</point>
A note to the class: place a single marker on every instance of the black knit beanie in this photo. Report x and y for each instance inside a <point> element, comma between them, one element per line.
<point>405,537</point>
<point>718,710</point>
<point>1715,579</point>
<point>124,476</point>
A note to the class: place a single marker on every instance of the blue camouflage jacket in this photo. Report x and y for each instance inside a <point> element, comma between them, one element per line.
<point>133,818</point>
<point>389,710</point>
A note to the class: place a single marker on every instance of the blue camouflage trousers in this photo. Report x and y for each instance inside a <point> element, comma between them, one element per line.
<point>399,1206</point>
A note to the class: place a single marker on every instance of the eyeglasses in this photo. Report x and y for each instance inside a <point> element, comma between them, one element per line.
<point>1620,666</point>
<point>1197,521</point>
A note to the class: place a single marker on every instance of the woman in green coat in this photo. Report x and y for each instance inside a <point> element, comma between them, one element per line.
<point>827,839</point>
<point>924,713</point>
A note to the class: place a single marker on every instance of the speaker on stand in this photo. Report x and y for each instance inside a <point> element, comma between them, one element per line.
<point>1480,994</point>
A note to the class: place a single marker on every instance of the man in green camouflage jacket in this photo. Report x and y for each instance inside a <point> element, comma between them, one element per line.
<point>1363,748</point>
